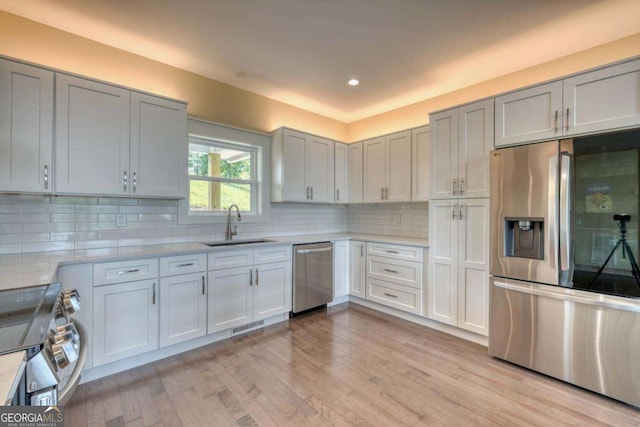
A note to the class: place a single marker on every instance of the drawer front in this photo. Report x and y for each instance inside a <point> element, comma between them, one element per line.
<point>271,254</point>
<point>396,296</point>
<point>183,264</point>
<point>405,273</point>
<point>407,253</point>
<point>107,273</point>
<point>230,259</point>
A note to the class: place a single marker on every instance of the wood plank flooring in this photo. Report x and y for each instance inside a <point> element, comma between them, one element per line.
<point>341,367</point>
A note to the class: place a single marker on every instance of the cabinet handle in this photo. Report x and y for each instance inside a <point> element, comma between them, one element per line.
<point>391,252</point>
<point>337,195</point>
<point>153,300</point>
<point>135,182</point>
<point>391,295</point>
<point>186,264</point>
<point>46,177</point>
<point>567,121</point>
<point>390,271</point>
<point>453,211</point>
<point>124,181</point>
<point>555,121</point>
<point>307,193</point>
<point>135,270</point>
<point>461,186</point>
<point>461,211</point>
<point>257,277</point>
<point>251,277</point>
<point>202,285</point>
<point>455,186</point>
<point>311,193</point>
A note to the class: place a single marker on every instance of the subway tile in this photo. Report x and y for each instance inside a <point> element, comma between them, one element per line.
<point>11,208</point>
<point>120,201</point>
<point>50,227</point>
<point>11,228</point>
<point>70,236</point>
<point>93,226</point>
<point>95,244</point>
<point>97,209</point>
<point>47,247</point>
<point>10,249</point>
<point>74,200</point>
<point>24,218</point>
<point>24,237</point>
<point>117,234</point>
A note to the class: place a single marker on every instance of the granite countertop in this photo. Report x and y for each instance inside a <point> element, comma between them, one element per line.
<point>11,367</point>
<point>29,269</point>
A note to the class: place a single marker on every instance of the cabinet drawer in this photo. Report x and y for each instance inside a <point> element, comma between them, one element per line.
<point>230,259</point>
<point>408,253</point>
<point>124,271</point>
<point>183,264</point>
<point>396,296</point>
<point>405,273</point>
<point>272,254</point>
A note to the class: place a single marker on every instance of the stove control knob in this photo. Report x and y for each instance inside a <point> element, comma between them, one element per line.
<point>71,301</point>
<point>67,332</point>
<point>58,310</point>
<point>64,353</point>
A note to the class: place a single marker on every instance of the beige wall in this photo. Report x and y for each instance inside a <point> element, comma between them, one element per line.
<point>218,102</point>
<point>418,114</point>
<point>208,99</point>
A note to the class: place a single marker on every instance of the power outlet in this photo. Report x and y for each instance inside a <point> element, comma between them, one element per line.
<point>121,220</point>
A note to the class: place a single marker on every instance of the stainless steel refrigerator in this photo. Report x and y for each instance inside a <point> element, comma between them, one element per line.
<point>565,285</point>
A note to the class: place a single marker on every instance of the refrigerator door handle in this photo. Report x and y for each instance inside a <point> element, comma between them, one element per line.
<point>552,214</point>
<point>565,226</point>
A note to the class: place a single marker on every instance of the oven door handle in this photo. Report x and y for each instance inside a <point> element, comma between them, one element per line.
<point>74,379</point>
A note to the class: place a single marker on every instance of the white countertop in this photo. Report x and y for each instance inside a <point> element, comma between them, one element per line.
<point>11,367</point>
<point>29,269</point>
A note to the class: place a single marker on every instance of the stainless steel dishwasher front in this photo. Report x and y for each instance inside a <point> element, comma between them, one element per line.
<point>312,275</point>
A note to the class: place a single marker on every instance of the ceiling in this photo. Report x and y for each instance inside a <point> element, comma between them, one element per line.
<point>302,52</point>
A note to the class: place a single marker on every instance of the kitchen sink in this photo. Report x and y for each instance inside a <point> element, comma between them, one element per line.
<point>237,242</point>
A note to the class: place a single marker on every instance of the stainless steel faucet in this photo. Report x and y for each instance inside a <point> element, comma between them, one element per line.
<point>232,232</point>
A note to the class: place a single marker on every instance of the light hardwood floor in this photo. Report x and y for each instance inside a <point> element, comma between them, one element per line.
<point>345,366</point>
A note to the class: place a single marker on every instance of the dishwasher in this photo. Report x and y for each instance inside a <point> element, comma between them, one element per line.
<point>312,275</point>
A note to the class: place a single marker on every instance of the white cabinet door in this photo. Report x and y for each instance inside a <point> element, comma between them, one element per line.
<point>294,149</point>
<point>473,265</point>
<point>443,253</point>
<point>603,99</point>
<point>420,164</point>
<point>340,268</point>
<point>398,188</point>
<point>183,308</point>
<point>125,320</point>
<point>375,169</point>
<point>341,173</point>
<point>229,298</point>
<point>355,172</point>
<point>357,269</point>
<point>158,146</point>
<point>529,115</point>
<point>319,169</point>
<point>271,289</point>
<point>26,128</point>
<point>444,154</point>
<point>92,137</point>
<point>475,141</point>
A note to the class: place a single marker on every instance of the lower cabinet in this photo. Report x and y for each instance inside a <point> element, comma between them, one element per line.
<point>125,320</point>
<point>459,263</point>
<point>357,268</point>
<point>251,291</point>
<point>341,268</point>
<point>183,308</point>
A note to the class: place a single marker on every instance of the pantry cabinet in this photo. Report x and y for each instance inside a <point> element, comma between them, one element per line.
<point>341,173</point>
<point>596,101</point>
<point>26,128</point>
<point>459,263</point>
<point>302,167</point>
<point>387,168</point>
<point>112,141</point>
<point>461,139</point>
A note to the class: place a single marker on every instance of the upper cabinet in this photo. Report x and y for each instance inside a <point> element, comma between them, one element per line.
<point>461,139</point>
<point>341,173</point>
<point>420,164</point>
<point>302,167</point>
<point>604,99</point>
<point>26,128</point>
<point>387,168</point>
<point>112,141</point>
<point>355,172</point>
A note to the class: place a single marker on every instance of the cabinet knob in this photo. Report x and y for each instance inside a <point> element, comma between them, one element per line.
<point>124,181</point>
<point>135,182</point>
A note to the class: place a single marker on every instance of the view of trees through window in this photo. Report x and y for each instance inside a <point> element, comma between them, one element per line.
<point>219,177</point>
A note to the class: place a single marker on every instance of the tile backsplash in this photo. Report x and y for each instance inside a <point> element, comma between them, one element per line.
<point>48,223</point>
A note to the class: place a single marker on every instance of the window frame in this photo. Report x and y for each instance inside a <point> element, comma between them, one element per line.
<point>200,131</point>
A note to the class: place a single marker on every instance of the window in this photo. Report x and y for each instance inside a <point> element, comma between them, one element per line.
<point>226,166</point>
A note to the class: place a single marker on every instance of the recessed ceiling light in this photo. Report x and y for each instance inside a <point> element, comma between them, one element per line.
<point>354,82</point>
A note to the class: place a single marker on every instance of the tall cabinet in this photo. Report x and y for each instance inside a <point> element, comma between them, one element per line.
<point>26,128</point>
<point>461,139</point>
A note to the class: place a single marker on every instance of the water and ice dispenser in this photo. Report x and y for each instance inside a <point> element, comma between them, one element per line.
<point>524,237</point>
